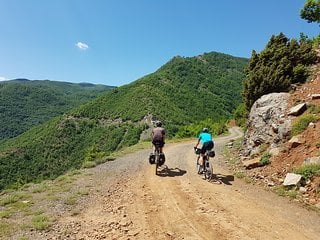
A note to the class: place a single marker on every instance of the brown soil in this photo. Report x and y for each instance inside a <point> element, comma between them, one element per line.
<point>127,200</point>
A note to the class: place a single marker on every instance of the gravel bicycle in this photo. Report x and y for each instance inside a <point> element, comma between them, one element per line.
<point>157,158</point>
<point>206,167</point>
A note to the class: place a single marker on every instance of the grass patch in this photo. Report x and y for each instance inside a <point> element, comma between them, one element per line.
<point>286,192</point>
<point>83,192</point>
<point>308,170</point>
<point>10,199</point>
<point>40,222</point>
<point>23,238</point>
<point>64,179</point>
<point>132,149</point>
<point>239,175</point>
<point>314,109</point>
<point>5,214</point>
<point>89,164</point>
<point>71,200</point>
<point>5,230</point>
<point>302,123</point>
<point>40,188</point>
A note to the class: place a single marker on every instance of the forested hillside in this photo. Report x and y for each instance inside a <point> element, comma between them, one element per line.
<point>182,92</point>
<point>25,103</point>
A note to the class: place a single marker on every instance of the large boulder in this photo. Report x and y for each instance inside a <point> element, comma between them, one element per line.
<point>268,123</point>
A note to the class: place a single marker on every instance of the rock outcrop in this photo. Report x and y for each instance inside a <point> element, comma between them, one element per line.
<point>268,123</point>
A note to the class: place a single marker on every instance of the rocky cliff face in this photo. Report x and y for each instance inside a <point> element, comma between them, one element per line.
<point>268,124</point>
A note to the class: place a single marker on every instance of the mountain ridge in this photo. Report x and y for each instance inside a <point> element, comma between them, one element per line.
<point>25,103</point>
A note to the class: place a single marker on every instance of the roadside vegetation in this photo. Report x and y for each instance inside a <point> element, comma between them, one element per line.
<point>302,122</point>
<point>36,203</point>
<point>308,171</point>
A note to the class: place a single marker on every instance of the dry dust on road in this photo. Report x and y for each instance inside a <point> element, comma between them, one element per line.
<point>128,201</point>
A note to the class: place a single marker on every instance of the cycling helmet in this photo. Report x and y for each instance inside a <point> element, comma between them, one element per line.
<point>205,130</point>
<point>158,123</point>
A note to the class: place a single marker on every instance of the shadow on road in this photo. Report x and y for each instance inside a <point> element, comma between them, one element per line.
<point>171,172</point>
<point>225,179</point>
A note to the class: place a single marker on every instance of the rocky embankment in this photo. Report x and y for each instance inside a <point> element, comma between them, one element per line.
<point>283,138</point>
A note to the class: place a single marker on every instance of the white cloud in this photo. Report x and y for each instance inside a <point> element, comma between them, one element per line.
<point>82,46</point>
<point>2,79</point>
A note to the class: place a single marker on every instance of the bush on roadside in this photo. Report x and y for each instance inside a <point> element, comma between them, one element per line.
<point>265,159</point>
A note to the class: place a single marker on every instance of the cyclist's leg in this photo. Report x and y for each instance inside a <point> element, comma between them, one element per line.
<point>202,154</point>
<point>161,144</point>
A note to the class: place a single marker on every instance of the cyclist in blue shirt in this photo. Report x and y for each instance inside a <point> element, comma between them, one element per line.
<point>205,138</point>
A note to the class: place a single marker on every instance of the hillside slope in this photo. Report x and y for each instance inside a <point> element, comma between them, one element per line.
<point>25,103</point>
<point>181,92</point>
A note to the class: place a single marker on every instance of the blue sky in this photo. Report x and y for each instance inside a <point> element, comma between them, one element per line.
<point>115,42</point>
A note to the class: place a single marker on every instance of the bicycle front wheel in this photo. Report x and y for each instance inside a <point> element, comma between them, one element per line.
<point>199,168</point>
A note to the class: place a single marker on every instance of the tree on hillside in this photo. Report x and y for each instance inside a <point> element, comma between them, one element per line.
<point>311,11</point>
<point>280,64</point>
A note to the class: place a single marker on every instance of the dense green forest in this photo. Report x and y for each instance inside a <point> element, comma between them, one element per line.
<point>181,92</point>
<point>25,103</point>
<point>204,89</point>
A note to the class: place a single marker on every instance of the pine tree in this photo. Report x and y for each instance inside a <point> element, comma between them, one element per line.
<point>282,63</point>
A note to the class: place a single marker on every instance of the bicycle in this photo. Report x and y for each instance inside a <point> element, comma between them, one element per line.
<point>206,167</point>
<point>157,158</point>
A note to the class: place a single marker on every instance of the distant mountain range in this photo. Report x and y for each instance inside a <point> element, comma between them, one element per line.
<point>182,92</point>
<point>25,103</point>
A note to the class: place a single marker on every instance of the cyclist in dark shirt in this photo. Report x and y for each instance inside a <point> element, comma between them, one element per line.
<point>158,134</point>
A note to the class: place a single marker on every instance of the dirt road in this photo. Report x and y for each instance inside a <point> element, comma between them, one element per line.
<point>128,201</point>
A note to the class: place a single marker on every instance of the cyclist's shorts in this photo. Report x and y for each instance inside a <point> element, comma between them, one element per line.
<point>207,146</point>
<point>159,143</point>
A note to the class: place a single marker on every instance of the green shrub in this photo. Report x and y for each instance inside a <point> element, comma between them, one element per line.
<point>265,159</point>
<point>302,123</point>
<point>308,170</point>
<point>282,63</point>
